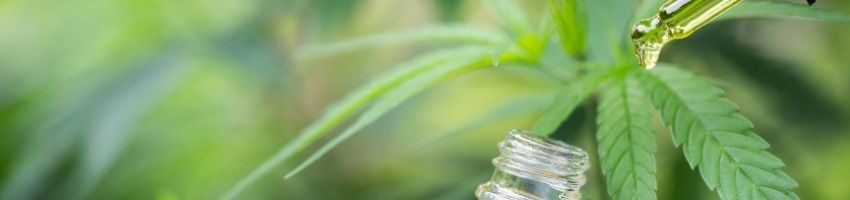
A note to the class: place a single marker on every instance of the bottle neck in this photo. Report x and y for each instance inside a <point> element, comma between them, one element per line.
<point>533,167</point>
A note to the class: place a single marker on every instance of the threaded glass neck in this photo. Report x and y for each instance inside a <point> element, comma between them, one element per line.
<point>531,167</point>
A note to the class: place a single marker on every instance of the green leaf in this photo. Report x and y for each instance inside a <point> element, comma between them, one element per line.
<point>566,101</point>
<point>748,9</point>
<point>352,103</point>
<point>453,34</point>
<point>626,141</point>
<point>509,13</point>
<point>570,20</point>
<point>715,138</point>
<point>395,97</point>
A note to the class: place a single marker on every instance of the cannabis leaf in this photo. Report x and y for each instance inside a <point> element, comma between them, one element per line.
<point>398,95</point>
<point>626,140</point>
<point>349,106</point>
<point>715,138</point>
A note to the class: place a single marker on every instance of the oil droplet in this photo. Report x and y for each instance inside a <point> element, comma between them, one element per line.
<point>677,19</point>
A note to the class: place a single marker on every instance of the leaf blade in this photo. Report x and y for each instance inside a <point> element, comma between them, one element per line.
<point>345,108</point>
<point>393,98</point>
<point>626,141</point>
<point>677,95</point>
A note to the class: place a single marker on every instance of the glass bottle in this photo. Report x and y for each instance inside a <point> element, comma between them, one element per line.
<point>531,167</point>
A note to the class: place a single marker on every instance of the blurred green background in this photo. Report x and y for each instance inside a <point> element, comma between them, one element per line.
<point>165,99</point>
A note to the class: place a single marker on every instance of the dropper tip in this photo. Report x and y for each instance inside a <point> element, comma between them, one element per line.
<point>649,37</point>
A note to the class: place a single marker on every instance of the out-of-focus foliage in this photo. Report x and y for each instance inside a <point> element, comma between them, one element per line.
<point>157,99</point>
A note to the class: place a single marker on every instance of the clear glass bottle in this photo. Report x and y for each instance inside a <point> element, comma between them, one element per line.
<point>531,167</point>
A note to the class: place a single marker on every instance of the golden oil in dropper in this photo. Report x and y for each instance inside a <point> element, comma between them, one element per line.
<point>676,19</point>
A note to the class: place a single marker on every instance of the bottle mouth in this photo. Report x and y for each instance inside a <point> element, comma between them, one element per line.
<point>524,147</point>
<point>560,165</point>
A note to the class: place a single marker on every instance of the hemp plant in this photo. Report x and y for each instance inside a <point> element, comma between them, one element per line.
<point>592,37</point>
